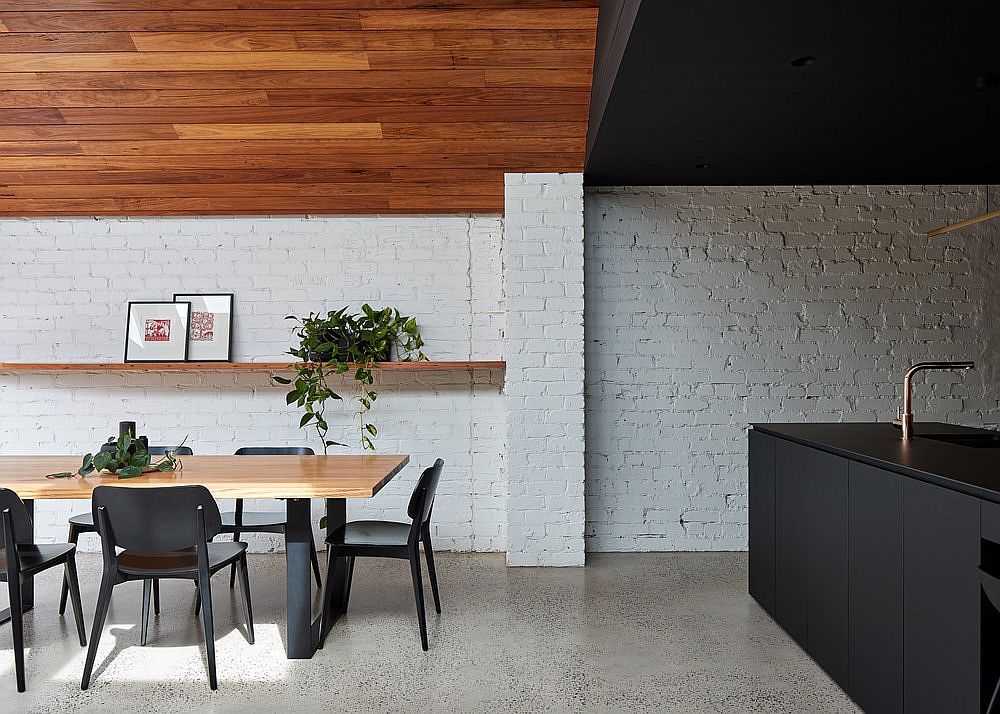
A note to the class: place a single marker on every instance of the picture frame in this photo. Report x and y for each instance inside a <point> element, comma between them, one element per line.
<point>210,329</point>
<point>157,331</point>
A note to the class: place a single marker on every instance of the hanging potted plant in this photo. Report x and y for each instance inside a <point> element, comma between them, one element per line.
<point>330,346</point>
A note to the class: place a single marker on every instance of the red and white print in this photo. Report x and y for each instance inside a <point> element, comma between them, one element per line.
<point>157,331</point>
<point>202,326</point>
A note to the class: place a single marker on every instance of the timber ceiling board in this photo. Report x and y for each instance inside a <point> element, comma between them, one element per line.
<point>178,107</point>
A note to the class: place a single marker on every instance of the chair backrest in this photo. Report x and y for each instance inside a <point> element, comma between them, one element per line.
<point>275,451</point>
<point>19,519</point>
<point>179,450</point>
<point>422,500</point>
<point>156,520</point>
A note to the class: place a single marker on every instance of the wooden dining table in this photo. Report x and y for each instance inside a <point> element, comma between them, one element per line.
<point>296,479</point>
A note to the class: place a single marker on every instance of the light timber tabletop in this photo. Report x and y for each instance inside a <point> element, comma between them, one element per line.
<point>338,476</point>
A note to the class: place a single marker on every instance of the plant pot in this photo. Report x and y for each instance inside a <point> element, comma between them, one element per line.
<point>342,347</point>
<point>343,353</point>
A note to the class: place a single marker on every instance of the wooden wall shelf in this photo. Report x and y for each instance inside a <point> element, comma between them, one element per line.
<point>229,366</point>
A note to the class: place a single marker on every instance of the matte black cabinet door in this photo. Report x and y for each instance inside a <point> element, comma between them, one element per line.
<point>828,609</point>
<point>792,536</point>
<point>875,538</point>
<point>941,600</point>
<point>811,569</point>
<point>761,514</point>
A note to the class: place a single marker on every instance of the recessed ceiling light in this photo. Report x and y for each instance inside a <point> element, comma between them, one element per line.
<point>702,166</point>
<point>803,61</point>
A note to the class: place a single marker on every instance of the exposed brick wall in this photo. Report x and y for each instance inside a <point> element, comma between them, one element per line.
<point>543,256</point>
<point>709,308</point>
<point>64,285</point>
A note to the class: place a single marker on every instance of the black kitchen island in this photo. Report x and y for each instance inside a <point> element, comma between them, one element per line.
<point>866,549</point>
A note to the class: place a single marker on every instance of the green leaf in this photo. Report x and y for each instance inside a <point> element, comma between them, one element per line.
<point>306,418</point>
<point>87,466</point>
<point>410,326</point>
<point>124,442</point>
<point>140,459</point>
<point>322,522</point>
<point>334,443</point>
<point>292,397</point>
<point>165,466</point>
<point>130,472</point>
<point>102,461</point>
<point>61,474</point>
<point>281,380</point>
<point>370,428</point>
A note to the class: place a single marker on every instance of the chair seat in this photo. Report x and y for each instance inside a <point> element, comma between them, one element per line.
<point>253,519</point>
<point>85,520</point>
<point>178,563</point>
<point>375,533</point>
<point>37,557</point>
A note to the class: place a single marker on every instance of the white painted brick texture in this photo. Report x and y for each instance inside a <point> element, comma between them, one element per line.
<point>64,285</point>
<point>543,254</point>
<point>710,308</point>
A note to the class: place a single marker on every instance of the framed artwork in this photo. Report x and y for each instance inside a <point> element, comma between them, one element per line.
<point>157,331</point>
<point>210,335</point>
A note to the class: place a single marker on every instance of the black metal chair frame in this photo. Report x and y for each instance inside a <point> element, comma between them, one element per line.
<point>151,525</point>
<point>277,525</point>
<point>419,510</point>
<point>84,523</point>
<point>22,558</point>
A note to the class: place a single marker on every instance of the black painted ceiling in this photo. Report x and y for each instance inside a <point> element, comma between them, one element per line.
<point>891,97</point>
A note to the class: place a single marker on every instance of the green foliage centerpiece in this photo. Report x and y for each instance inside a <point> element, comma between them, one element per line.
<point>126,457</point>
<point>330,345</point>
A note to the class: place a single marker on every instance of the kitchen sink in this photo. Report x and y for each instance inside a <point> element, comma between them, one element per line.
<point>977,441</point>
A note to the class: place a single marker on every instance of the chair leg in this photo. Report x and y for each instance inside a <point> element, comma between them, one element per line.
<point>418,592</point>
<point>232,571</point>
<point>205,588</point>
<point>74,591</point>
<point>347,585</point>
<point>147,587</point>
<point>315,558</point>
<point>74,537</point>
<point>17,629</point>
<point>156,597</point>
<point>197,600</point>
<point>429,554</point>
<point>245,586</point>
<point>100,615</point>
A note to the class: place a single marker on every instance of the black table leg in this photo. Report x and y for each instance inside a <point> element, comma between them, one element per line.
<point>336,516</point>
<point>298,583</point>
<point>27,581</point>
<point>303,629</point>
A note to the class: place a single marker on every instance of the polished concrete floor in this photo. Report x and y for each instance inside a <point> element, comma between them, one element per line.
<point>639,632</point>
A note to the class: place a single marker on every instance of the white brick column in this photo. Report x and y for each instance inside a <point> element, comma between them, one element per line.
<point>543,275</point>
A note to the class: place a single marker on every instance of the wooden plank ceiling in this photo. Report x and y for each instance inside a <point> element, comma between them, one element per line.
<point>180,107</point>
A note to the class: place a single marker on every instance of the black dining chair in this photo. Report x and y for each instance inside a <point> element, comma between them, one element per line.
<point>239,521</point>
<point>19,557</point>
<point>84,523</point>
<point>165,532</point>
<point>388,539</point>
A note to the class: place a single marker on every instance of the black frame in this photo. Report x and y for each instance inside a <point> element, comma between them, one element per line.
<point>229,349</point>
<point>128,325</point>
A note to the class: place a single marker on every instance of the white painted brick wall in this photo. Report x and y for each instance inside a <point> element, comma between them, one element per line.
<point>64,285</point>
<point>543,254</point>
<point>709,308</point>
